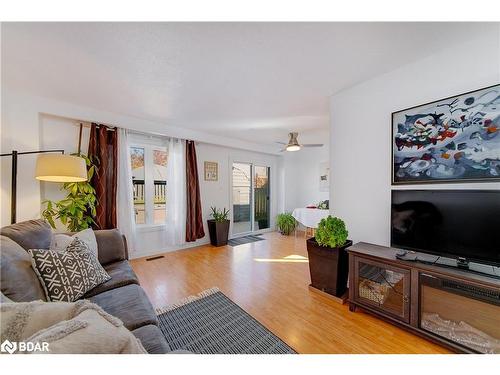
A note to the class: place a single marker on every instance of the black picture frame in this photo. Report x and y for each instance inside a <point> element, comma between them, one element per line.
<point>437,180</point>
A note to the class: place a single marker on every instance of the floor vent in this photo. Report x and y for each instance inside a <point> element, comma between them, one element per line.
<point>154,258</point>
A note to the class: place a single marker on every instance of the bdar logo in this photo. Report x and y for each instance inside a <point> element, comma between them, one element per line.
<point>9,347</point>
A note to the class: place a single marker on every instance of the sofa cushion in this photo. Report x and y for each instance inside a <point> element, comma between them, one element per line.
<point>152,339</point>
<point>68,275</point>
<point>121,274</point>
<point>112,246</point>
<point>18,281</point>
<point>31,234</point>
<point>129,304</point>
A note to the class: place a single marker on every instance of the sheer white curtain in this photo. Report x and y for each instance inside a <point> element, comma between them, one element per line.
<point>125,195</point>
<point>176,192</point>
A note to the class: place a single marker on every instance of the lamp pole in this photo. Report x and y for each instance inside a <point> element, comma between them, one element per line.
<point>13,196</point>
<point>13,188</point>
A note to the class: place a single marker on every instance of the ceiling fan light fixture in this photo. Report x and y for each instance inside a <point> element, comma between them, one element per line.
<point>293,148</point>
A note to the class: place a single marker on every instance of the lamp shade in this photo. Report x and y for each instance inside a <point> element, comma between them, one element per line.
<point>60,168</point>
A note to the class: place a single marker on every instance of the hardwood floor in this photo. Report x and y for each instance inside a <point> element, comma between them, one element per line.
<point>274,289</point>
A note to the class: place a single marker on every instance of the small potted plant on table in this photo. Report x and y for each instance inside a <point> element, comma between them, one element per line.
<point>328,258</point>
<point>218,227</point>
<point>286,223</point>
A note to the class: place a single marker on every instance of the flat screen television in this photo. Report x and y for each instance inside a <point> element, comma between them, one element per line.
<point>450,223</point>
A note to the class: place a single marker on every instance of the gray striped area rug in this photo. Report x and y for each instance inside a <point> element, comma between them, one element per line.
<point>210,323</point>
<point>243,240</point>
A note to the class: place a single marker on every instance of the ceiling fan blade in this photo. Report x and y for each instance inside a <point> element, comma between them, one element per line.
<point>282,150</point>
<point>281,143</point>
<point>312,145</point>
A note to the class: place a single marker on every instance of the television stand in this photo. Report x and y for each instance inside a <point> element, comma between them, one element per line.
<point>440,261</point>
<point>456,308</point>
<point>462,263</point>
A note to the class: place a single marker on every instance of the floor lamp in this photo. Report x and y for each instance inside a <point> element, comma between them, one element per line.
<point>51,165</point>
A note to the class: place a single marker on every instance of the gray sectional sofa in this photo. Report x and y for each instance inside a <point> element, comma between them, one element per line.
<point>121,296</point>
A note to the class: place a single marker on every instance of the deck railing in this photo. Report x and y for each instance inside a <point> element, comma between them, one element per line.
<point>160,191</point>
<point>241,212</point>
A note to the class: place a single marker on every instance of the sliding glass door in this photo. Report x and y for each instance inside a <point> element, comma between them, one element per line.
<point>261,197</point>
<point>242,198</point>
<point>251,192</point>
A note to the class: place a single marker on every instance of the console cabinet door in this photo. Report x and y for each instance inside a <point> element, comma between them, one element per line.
<point>382,287</point>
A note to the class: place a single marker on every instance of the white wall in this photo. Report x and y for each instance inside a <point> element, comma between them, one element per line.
<point>360,130</point>
<point>302,170</point>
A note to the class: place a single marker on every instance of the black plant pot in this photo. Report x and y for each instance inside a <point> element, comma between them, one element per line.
<point>263,223</point>
<point>329,267</point>
<point>219,232</point>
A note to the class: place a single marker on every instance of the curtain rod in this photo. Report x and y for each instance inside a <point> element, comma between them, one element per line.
<point>111,128</point>
<point>154,134</point>
<point>139,132</point>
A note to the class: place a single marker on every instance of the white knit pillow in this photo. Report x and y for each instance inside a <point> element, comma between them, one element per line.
<point>61,241</point>
<point>68,328</point>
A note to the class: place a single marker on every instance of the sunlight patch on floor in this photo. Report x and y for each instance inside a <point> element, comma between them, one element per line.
<point>288,259</point>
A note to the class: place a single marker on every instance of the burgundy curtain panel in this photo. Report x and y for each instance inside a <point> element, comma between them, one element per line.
<point>194,219</point>
<point>103,151</point>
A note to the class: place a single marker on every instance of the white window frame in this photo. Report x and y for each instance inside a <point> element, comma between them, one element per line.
<point>149,143</point>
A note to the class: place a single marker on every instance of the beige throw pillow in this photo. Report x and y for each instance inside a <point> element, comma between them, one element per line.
<point>79,327</point>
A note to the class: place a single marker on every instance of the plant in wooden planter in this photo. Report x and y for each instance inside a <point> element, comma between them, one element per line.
<point>286,223</point>
<point>218,227</point>
<point>328,258</point>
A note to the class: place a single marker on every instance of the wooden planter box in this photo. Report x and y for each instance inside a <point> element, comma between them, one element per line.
<point>219,232</point>
<point>329,267</point>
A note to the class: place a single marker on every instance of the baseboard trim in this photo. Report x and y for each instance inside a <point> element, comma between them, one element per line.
<point>150,253</point>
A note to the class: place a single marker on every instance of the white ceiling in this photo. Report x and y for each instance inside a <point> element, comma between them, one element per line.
<point>252,81</point>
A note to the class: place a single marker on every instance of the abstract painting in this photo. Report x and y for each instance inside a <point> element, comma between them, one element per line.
<point>456,139</point>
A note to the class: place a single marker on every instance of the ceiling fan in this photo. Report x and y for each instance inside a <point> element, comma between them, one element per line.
<point>293,143</point>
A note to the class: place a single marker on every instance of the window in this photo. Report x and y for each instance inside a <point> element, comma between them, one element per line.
<point>137,164</point>
<point>160,185</point>
<point>148,158</point>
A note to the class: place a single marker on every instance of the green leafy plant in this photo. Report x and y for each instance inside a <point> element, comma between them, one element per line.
<point>331,232</point>
<point>78,209</point>
<point>286,223</point>
<point>219,215</point>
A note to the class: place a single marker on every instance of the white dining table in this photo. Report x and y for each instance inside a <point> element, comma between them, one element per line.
<point>310,217</point>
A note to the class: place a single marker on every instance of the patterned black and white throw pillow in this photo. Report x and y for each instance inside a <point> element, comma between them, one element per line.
<point>68,275</point>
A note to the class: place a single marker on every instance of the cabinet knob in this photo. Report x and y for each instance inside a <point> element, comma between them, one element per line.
<point>406,299</point>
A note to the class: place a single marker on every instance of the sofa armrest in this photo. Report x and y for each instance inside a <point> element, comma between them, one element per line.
<point>112,246</point>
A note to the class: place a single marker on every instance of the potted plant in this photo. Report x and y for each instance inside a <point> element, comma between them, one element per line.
<point>286,223</point>
<point>78,209</point>
<point>218,227</point>
<point>328,258</point>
